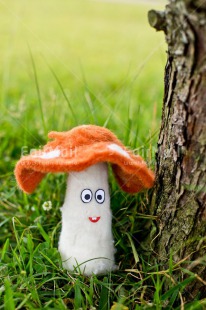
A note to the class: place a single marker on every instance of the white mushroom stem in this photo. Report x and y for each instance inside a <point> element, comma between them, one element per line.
<point>86,242</point>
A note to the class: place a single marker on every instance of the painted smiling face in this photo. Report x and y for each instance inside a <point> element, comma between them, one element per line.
<point>99,196</point>
<point>86,222</point>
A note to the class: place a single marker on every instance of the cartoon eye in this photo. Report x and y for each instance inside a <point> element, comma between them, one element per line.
<point>100,195</point>
<point>86,195</point>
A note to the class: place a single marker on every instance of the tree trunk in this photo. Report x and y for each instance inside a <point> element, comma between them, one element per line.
<point>179,198</point>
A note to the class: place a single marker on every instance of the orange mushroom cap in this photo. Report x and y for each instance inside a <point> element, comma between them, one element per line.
<point>76,150</point>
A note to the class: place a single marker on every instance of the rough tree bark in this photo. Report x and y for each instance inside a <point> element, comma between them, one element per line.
<point>179,198</point>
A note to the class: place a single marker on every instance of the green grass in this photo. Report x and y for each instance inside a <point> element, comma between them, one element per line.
<point>66,63</point>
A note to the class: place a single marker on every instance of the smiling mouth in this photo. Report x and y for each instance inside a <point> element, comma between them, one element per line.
<point>94,219</point>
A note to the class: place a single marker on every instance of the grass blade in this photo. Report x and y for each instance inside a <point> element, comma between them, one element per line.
<point>43,233</point>
<point>77,295</point>
<point>64,94</point>
<point>5,249</point>
<point>104,296</point>
<point>136,256</point>
<point>38,91</point>
<point>8,297</point>
<point>180,286</point>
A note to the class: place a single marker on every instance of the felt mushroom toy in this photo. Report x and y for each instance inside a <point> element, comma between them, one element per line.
<point>86,242</point>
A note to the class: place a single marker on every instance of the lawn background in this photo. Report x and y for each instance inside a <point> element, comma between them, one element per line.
<point>66,63</point>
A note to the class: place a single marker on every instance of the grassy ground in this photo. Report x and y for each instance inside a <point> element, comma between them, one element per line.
<point>64,64</point>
